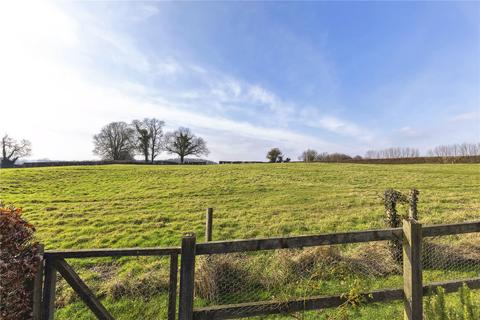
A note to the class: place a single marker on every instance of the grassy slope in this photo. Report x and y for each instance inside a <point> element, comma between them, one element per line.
<point>125,206</point>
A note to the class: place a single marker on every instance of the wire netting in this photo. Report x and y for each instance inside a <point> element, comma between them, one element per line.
<point>295,274</point>
<point>452,257</point>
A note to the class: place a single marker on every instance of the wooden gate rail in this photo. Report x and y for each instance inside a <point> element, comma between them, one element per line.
<point>244,310</point>
<point>83,291</point>
<point>55,261</point>
<point>125,252</point>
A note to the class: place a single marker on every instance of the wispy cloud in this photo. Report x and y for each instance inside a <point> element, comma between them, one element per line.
<point>466,116</point>
<point>169,67</point>
<point>85,72</point>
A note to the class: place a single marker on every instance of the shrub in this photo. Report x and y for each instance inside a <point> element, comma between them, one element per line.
<point>462,308</point>
<point>19,261</point>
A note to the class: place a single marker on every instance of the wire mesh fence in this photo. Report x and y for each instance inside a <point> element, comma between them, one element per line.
<point>294,274</point>
<point>447,258</point>
<point>452,257</point>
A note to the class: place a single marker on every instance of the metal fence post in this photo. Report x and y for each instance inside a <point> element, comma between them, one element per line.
<point>209,225</point>
<point>412,270</point>
<point>187,277</point>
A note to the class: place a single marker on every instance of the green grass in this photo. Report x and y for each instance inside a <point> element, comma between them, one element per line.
<point>128,206</point>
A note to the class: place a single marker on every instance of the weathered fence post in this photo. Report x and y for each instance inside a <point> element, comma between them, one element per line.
<point>172,287</point>
<point>49,289</point>
<point>209,225</point>
<point>187,277</point>
<point>412,270</point>
<point>37,287</point>
<point>413,213</point>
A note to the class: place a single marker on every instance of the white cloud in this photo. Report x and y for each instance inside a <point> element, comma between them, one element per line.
<point>467,116</point>
<point>54,105</point>
<point>259,94</point>
<point>144,11</point>
<point>169,67</point>
<point>59,107</point>
<point>313,118</point>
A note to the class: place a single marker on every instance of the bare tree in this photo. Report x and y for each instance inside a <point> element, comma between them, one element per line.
<point>274,154</point>
<point>308,155</point>
<point>455,150</point>
<point>337,157</point>
<point>150,137</point>
<point>116,141</point>
<point>183,142</point>
<point>322,156</point>
<point>12,150</point>
<point>392,153</point>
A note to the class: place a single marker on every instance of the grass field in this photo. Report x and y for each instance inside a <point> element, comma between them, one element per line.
<point>128,206</point>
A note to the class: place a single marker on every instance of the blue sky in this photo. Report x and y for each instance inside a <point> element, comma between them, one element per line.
<point>247,76</point>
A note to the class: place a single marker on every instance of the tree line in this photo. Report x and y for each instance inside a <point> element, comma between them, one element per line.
<point>393,153</point>
<point>453,150</point>
<point>123,141</point>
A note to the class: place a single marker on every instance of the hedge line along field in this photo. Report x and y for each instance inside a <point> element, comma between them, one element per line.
<point>128,206</point>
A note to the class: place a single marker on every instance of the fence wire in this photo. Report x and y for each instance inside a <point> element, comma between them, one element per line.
<point>291,274</point>
<point>453,257</point>
<point>447,258</point>
<point>128,287</point>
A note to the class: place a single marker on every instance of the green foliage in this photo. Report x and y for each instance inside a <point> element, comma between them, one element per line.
<point>275,155</point>
<point>438,306</point>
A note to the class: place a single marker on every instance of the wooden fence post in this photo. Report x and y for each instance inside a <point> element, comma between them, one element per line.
<point>37,287</point>
<point>187,277</point>
<point>413,213</point>
<point>172,287</point>
<point>412,270</point>
<point>209,225</point>
<point>49,289</point>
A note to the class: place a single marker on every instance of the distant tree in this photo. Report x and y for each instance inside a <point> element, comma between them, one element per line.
<point>142,138</point>
<point>337,157</point>
<point>149,137</point>
<point>308,155</point>
<point>358,157</point>
<point>455,150</point>
<point>322,156</point>
<point>274,154</point>
<point>183,142</point>
<point>392,153</point>
<point>116,141</point>
<point>287,160</point>
<point>12,150</point>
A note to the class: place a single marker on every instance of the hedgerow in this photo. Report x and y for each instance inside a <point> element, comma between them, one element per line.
<point>19,262</point>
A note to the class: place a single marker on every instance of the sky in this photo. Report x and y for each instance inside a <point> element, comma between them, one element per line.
<point>246,76</point>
